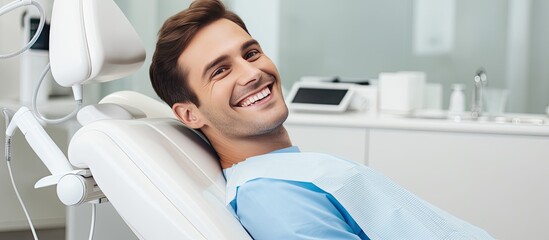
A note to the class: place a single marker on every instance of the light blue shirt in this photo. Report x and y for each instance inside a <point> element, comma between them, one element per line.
<point>383,209</point>
<point>283,209</point>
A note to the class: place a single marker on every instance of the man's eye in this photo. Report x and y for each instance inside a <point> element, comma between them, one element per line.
<point>251,54</point>
<point>219,71</point>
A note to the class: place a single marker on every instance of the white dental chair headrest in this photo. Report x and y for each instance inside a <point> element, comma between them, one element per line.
<point>92,41</point>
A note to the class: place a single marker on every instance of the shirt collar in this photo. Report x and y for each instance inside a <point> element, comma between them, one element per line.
<point>292,149</point>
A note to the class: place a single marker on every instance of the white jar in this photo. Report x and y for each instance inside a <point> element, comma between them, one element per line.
<point>457,100</point>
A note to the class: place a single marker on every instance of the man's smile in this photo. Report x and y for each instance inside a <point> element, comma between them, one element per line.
<point>255,97</point>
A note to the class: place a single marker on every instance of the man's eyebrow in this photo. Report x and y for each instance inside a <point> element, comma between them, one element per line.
<point>222,58</point>
<point>248,43</point>
<point>213,63</point>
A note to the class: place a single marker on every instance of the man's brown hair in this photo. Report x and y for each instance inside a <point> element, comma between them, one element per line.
<point>168,78</point>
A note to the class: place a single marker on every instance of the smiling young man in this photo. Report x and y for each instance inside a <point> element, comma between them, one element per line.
<point>241,107</point>
<point>217,79</point>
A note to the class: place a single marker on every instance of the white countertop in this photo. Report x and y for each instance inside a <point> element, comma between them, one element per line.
<point>375,121</point>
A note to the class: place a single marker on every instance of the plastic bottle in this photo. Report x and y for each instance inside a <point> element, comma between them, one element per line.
<point>457,100</point>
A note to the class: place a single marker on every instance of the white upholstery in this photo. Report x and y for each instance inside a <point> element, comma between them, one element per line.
<point>161,177</point>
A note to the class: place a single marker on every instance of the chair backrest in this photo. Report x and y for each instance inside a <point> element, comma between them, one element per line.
<point>162,178</point>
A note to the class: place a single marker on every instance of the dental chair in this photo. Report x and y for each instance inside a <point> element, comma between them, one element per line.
<point>163,178</point>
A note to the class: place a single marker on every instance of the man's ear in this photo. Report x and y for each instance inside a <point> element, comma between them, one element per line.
<point>189,114</point>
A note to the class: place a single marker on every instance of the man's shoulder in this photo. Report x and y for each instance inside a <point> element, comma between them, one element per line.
<point>293,168</point>
<point>267,193</point>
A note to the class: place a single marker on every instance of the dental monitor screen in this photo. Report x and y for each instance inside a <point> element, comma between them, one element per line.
<point>320,96</point>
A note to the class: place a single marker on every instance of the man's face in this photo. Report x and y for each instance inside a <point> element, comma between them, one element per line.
<point>238,87</point>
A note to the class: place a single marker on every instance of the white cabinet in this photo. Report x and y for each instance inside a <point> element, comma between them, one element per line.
<point>497,182</point>
<point>344,142</point>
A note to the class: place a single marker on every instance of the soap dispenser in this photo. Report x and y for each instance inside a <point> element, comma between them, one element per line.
<point>457,100</point>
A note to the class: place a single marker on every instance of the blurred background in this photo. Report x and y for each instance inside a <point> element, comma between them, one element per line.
<point>449,40</point>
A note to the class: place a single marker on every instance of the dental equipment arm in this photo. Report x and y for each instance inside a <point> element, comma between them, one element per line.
<point>40,141</point>
<point>90,41</point>
<point>74,186</point>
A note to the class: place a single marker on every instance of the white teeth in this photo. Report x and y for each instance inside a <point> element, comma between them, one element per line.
<point>258,96</point>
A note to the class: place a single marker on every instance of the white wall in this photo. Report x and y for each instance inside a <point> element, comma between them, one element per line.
<point>518,54</point>
<point>262,18</point>
<point>360,39</point>
<point>538,88</point>
<point>11,32</point>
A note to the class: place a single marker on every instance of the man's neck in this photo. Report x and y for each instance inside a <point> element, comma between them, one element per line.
<point>233,151</point>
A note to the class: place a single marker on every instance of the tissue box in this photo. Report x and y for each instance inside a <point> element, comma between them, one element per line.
<point>401,92</point>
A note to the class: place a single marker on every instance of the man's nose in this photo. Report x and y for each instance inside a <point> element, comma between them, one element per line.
<point>249,73</point>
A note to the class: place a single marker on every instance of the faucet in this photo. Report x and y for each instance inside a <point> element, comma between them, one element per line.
<point>480,81</point>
